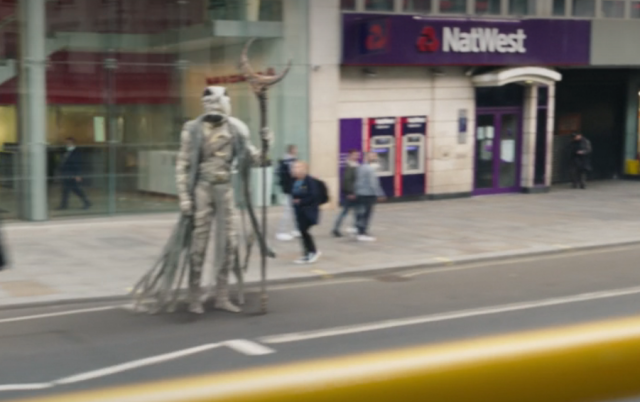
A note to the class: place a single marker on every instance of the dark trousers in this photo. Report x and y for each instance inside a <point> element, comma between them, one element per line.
<point>72,186</point>
<point>348,206</point>
<point>365,211</point>
<point>578,175</point>
<point>308,245</point>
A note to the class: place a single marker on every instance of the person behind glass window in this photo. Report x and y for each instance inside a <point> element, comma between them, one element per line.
<point>71,175</point>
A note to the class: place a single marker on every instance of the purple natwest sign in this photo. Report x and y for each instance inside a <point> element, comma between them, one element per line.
<point>371,39</point>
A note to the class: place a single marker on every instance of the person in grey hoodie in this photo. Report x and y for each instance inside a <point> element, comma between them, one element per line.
<point>368,191</point>
<point>348,190</point>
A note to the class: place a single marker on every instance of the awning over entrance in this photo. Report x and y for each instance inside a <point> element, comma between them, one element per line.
<point>528,75</point>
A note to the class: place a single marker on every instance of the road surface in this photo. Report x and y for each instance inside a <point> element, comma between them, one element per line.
<point>51,350</point>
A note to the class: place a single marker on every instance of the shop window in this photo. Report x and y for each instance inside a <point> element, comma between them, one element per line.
<point>635,9</point>
<point>453,6</point>
<point>613,9</point>
<point>421,6</point>
<point>348,5</point>
<point>488,7</point>
<point>379,5</point>
<point>559,8</point>
<point>522,7</point>
<point>584,8</point>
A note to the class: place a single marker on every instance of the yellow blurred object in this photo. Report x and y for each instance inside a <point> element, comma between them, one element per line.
<point>594,362</point>
<point>633,167</point>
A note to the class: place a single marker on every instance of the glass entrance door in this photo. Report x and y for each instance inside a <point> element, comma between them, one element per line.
<point>497,151</point>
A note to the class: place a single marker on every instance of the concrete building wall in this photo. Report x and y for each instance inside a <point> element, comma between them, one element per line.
<point>324,78</point>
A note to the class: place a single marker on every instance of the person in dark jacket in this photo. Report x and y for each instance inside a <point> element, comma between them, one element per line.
<point>348,188</point>
<point>307,210</point>
<point>70,173</point>
<point>580,150</point>
<point>285,179</point>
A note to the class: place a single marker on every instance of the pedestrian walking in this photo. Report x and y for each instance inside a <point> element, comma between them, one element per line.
<point>71,174</point>
<point>580,150</point>
<point>349,192</point>
<point>306,195</point>
<point>368,191</point>
<point>286,229</point>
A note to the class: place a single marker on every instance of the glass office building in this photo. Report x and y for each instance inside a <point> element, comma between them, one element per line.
<point>121,77</point>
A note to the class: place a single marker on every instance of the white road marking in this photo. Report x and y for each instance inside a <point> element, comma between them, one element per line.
<point>57,314</point>
<point>248,348</point>
<point>150,361</point>
<point>376,326</point>
<point>24,387</point>
<point>239,345</point>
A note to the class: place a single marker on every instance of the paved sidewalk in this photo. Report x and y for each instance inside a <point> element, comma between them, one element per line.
<point>98,258</point>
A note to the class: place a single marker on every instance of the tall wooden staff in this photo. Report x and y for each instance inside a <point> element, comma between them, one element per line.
<point>260,84</point>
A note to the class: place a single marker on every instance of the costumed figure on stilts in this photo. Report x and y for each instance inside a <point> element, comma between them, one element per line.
<point>213,146</point>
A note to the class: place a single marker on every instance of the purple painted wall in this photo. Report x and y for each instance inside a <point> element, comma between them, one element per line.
<point>370,39</point>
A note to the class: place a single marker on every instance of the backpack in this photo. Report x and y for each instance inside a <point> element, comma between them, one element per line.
<point>323,192</point>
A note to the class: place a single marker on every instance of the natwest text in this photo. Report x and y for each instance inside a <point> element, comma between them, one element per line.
<point>481,40</point>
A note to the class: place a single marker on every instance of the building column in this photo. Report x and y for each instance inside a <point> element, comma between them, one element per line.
<point>551,124</point>
<point>325,32</point>
<point>33,105</point>
<point>529,128</point>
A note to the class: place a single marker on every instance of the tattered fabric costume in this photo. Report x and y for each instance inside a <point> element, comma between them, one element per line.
<point>212,146</point>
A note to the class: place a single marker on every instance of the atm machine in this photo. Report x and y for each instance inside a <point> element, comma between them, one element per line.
<point>382,141</point>
<point>413,179</point>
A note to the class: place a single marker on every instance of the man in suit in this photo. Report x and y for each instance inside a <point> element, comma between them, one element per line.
<point>70,172</point>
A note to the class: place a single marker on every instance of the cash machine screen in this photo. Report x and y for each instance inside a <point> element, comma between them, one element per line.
<point>413,158</point>
<point>384,159</point>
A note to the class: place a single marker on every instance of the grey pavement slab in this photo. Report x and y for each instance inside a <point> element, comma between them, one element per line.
<point>103,257</point>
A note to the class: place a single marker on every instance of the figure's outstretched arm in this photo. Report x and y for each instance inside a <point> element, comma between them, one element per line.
<point>183,169</point>
<point>254,153</point>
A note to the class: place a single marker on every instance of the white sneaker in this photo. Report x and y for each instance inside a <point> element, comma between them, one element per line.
<point>295,234</point>
<point>352,230</point>
<point>366,238</point>
<point>314,257</point>
<point>302,260</point>
<point>284,237</point>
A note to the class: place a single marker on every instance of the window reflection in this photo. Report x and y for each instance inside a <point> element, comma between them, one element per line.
<point>422,6</point>
<point>559,8</point>
<point>613,9</point>
<point>348,5</point>
<point>488,6</point>
<point>635,9</point>
<point>584,8</point>
<point>522,7</point>
<point>453,6</point>
<point>379,5</point>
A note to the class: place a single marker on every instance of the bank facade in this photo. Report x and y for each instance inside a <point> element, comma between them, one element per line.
<point>459,98</point>
<point>472,105</point>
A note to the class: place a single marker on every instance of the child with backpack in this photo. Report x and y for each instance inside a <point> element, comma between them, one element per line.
<point>308,194</point>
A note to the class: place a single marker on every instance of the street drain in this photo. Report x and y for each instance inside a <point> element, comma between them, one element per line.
<point>392,278</point>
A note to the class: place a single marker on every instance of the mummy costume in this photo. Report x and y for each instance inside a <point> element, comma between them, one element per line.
<point>212,146</point>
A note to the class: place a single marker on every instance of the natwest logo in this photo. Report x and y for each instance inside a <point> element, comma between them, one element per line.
<point>482,40</point>
<point>476,40</point>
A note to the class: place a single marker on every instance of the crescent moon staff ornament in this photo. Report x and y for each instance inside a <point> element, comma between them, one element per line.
<point>260,84</point>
